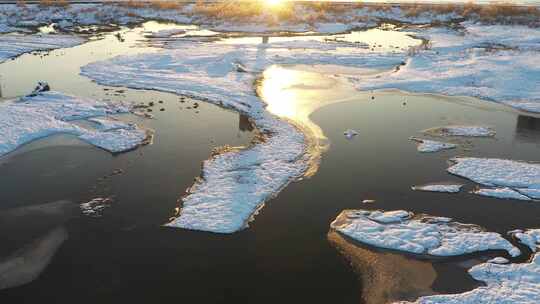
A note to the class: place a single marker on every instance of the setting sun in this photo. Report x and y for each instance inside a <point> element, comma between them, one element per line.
<point>273,2</point>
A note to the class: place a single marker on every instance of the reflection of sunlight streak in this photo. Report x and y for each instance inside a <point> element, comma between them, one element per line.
<point>295,95</point>
<point>385,277</point>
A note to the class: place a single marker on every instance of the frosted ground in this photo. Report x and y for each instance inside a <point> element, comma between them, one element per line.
<point>235,184</point>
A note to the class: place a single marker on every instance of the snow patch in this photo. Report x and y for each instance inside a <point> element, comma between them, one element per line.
<point>13,45</point>
<point>502,193</point>
<point>510,283</point>
<point>529,237</point>
<point>401,230</point>
<point>426,145</point>
<point>446,187</point>
<point>495,172</point>
<point>468,131</point>
<point>469,62</point>
<point>49,113</point>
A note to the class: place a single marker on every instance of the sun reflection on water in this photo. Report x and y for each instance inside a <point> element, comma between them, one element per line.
<point>294,94</point>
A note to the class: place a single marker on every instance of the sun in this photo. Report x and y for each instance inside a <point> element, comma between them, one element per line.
<point>273,2</point>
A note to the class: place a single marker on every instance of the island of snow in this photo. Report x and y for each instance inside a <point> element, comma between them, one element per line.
<point>426,145</point>
<point>13,45</point>
<point>433,236</point>
<point>443,187</point>
<point>235,184</point>
<point>509,178</point>
<point>48,113</point>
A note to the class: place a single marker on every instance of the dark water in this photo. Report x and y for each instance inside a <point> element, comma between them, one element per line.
<point>287,254</point>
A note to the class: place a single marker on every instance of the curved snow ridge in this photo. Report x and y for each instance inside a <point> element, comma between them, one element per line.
<point>13,45</point>
<point>470,62</point>
<point>236,184</point>
<point>49,113</point>
<point>508,283</point>
<point>428,146</point>
<point>433,236</point>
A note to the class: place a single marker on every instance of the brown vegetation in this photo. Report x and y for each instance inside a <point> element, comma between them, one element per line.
<point>57,3</point>
<point>155,4</point>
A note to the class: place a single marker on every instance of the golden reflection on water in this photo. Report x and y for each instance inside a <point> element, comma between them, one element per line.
<point>294,95</point>
<point>386,277</point>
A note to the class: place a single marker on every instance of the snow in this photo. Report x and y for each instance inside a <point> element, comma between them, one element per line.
<point>509,283</point>
<point>401,230</point>
<point>462,130</point>
<point>498,260</point>
<point>444,187</point>
<point>529,237</point>
<point>469,62</point>
<point>426,145</point>
<point>350,133</point>
<point>235,184</point>
<point>495,172</point>
<point>95,207</point>
<point>13,45</point>
<point>49,113</point>
<point>502,193</point>
<point>166,33</point>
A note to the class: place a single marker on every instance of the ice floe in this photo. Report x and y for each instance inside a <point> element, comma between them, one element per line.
<point>508,283</point>
<point>401,230</point>
<point>426,145</point>
<point>13,45</point>
<point>493,172</point>
<point>45,114</point>
<point>529,237</point>
<point>469,62</point>
<point>457,130</point>
<point>502,193</point>
<point>235,184</point>
<point>443,187</point>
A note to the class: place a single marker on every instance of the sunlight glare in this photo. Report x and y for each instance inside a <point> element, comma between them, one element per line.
<point>273,2</point>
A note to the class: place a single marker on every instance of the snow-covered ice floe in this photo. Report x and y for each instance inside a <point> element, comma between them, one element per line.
<point>470,62</point>
<point>426,145</point>
<point>48,113</point>
<point>502,193</point>
<point>461,130</point>
<point>433,236</point>
<point>529,237</point>
<point>442,187</point>
<point>234,184</point>
<point>508,283</point>
<point>508,178</point>
<point>13,45</point>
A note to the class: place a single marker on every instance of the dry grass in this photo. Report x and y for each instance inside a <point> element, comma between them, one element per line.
<point>490,12</point>
<point>54,3</point>
<point>21,3</point>
<point>154,4</point>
